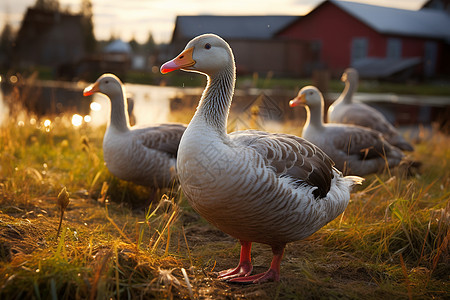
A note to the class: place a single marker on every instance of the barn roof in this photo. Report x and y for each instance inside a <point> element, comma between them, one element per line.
<point>118,46</point>
<point>426,22</point>
<point>236,27</point>
<point>380,67</point>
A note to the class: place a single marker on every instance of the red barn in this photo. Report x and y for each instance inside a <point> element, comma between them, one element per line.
<point>244,34</point>
<point>378,41</point>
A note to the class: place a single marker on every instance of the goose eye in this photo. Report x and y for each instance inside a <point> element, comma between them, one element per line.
<point>208,46</point>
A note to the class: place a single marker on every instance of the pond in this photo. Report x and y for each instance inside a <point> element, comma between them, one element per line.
<point>151,103</point>
<point>154,104</point>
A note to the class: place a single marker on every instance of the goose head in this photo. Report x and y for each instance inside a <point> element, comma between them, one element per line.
<point>107,84</point>
<point>350,75</point>
<point>307,96</point>
<point>207,54</point>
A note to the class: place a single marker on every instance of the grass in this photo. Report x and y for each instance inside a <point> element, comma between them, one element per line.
<point>391,242</point>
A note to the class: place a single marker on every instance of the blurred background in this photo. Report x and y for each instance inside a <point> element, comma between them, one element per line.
<point>50,50</point>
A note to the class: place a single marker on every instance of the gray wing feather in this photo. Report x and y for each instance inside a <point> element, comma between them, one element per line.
<point>366,116</point>
<point>289,155</point>
<point>361,141</point>
<point>162,137</point>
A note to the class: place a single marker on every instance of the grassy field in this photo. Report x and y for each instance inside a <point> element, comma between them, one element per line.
<point>391,242</point>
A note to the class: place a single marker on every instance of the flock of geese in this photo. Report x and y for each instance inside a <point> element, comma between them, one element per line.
<point>256,186</point>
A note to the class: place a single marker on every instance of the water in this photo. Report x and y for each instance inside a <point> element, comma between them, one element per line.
<point>4,111</point>
<point>151,105</point>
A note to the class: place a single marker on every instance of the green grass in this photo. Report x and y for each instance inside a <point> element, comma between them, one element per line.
<point>391,242</point>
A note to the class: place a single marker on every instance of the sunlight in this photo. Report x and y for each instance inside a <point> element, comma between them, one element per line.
<point>13,79</point>
<point>77,120</point>
<point>95,106</point>
<point>47,124</point>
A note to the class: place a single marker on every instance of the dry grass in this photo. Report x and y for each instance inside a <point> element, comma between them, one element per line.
<point>392,241</point>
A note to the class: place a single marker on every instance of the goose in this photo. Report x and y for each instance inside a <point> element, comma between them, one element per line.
<point>345,111</point>
<point>356,150</point>
<point>256,186</point>
<point>143,155</point>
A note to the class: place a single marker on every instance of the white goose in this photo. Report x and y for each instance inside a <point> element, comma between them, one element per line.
<point>355,150</point>
<point>345,111</point>
<point>253,185</point>
<point>143,155</point>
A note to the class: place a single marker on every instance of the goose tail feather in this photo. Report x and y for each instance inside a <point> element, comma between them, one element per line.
<point>353,180</point>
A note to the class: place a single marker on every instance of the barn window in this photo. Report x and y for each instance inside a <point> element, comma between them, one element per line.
<point>359,48</point>
<point>394,48</point>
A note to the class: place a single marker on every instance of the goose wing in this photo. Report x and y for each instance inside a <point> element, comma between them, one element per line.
<point>163,137</point>
<point>289,155</point>
<point>355,140</point>
<point>367,116</point>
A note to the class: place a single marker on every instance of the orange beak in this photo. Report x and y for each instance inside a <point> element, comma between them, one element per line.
<point>184,60</point>
<point>299,100</point>
<point>92,89</point>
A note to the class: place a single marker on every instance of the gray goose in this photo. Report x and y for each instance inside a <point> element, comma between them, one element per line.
<point>356,150</point>
<point>143,155</point>
<point>255,186</point>
<point>345,111</point>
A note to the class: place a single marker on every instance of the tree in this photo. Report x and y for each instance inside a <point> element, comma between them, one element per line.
<point>52,5</point>
<point>88,26</point>
<point>6,45</point>
<point>135,45</point>
<point>151,49</point>
<point>150,45</point>
<point>113,36</point>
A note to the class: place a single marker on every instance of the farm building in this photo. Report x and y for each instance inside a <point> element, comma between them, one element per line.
<point>253,39</point>
<point>438,4</point>
<point>116,57</point>
<point>50,38</point>
<point>380,42</point>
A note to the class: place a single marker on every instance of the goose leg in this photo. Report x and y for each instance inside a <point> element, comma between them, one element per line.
<point>273,274</point>
<point>245,265</point>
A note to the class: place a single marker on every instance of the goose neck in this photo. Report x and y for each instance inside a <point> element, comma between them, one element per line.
<point>119,114</point>
<point>348,92</point>
<point>216,100</point>
<point>314,116</point>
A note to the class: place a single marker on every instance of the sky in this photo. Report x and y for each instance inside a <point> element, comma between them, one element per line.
<point>139,18</point>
